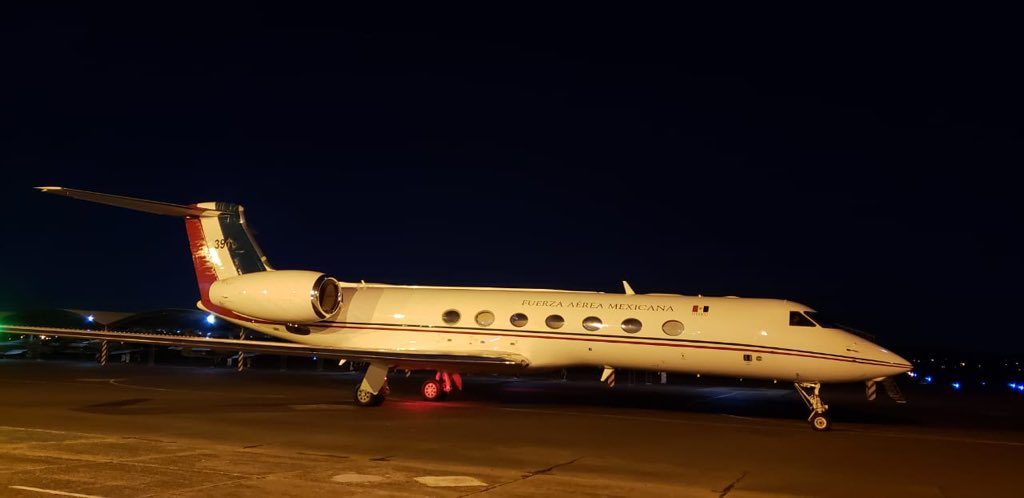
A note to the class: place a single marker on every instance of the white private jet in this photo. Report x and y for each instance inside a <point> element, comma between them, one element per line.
<point>452,330</point>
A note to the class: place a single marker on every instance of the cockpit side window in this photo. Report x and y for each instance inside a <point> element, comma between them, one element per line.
<point>797,319</point>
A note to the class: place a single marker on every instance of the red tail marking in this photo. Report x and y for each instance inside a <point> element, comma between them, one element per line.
<point>205,273</point>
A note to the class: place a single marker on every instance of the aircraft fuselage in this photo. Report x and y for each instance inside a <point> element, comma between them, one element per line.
<point>725,336</point>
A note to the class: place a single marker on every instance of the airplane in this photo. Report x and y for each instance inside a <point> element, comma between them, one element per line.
<point>455,330</point>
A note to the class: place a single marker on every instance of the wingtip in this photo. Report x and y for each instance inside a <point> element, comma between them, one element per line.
<point>49,188</point>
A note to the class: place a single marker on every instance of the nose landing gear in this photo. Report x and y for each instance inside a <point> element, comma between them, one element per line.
<point>810,393</point>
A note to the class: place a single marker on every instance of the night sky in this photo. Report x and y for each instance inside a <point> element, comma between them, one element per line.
<point>861,163</point>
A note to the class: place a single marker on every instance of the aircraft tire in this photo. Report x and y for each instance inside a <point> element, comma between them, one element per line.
<point>820,422</point>
<point>431,390</point>
<point>367,398</point>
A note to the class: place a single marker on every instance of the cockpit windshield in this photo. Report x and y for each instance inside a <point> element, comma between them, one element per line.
<point>797,319</point>
<point>822,320</point>
<point>826,322</point>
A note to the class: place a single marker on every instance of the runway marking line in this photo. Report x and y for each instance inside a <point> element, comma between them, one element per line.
<point>53,492</point>
<point>937,438</point>
<point>625,417</point>
<point>323,407</point>
<point>356,478</point>
<point>114,382</point>
<point>449,481</point>
<point>761,425</point>
<point>704,400</point>
<point>51,431</point>
<point>204,486</point>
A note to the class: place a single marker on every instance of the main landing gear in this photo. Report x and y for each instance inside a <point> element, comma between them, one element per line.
<point>431,390</point>
<point>374,387</point>
<point>438,388</point>
<point>809,392</point>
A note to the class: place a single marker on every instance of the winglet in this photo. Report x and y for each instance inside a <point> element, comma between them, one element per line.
<point>628,289</point>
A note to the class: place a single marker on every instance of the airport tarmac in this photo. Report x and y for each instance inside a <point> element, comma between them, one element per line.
<point>78,429</point>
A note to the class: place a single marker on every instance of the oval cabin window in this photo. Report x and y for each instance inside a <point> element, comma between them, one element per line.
<point>631,325</point>
<point>592,323</point>
<point>451,317</point>
<point>485,318</point>
<point>555,321</point>
<point>519,320</point>
<point>672,327</point>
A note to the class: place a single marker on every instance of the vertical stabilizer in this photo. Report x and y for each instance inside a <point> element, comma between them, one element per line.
<point>219,239</point>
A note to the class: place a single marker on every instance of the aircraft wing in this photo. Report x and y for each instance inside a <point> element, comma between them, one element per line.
<point>405,358</point>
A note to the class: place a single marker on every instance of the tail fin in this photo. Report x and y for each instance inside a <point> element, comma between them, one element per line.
<point>220,241</point>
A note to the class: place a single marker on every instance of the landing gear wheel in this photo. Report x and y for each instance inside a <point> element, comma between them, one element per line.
<point>820,422</point>
<point>810,392</point>
<point>364,397</point>
<point>431,390</point>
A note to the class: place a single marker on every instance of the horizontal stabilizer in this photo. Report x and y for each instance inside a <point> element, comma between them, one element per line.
<point>146,206</point>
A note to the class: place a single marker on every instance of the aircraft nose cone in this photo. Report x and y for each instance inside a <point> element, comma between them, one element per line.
<point>896,360</point>
<point>906,365</point>
<point>894,363</point>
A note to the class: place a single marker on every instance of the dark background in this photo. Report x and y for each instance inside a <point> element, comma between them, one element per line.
<point>862,162</point>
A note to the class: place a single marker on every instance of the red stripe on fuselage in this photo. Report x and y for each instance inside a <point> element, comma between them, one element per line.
<point>642,343</point>
<point>540,335</point>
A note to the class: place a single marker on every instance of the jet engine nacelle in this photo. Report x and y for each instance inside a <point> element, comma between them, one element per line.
<point>290,296</point>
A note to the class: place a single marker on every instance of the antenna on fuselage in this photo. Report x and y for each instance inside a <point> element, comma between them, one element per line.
<point>627,288</point>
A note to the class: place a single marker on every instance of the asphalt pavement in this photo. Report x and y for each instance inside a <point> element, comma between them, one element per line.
<point>78,429</point>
